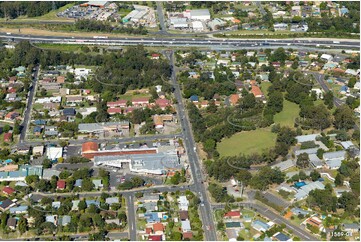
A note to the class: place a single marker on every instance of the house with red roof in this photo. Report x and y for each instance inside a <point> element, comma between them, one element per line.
<point>188,235</point>
<point>148,230</point>
<point>256,91</point>
<point>155,238</point>
<point>155,56</point>
<point>8,137</point>
<point>140,102</point>
<point>8,190</point>
<point>61,184</point>
<point>158,228</point>
<point>162,103</point>
<point>119,103</point>
<point>232,214</point>
<point>233,99</point>
<point>113,111</point>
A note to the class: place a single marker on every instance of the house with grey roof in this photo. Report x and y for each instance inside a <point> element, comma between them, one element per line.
<point>186,226</point>
<point>303,191</point>
<point>64,220</point>
<point>333,164</point>
<point>149,198</point>
<point>55,205</point>
<point>51,218</point>
<point>347,144</point>
<point>260,226</point>
<point>19,209</point>
<point>315,161</point>
<point>307,151</point>
<point>48,173</point>
<point>351,227</point>
<point>298,211</point>
<point>341,154</point>
<point>97,183</point>
<point>305,138</point>
<point>284,165</point>
<point>111,200</point>
<point>75,205</point>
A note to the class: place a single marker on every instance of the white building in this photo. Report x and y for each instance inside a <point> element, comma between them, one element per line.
<point>179,23</point>
<point>197,26</point>
<point>200,14</point>
<point>54,153</point>
<point>56,99</point>
<point>82,72</point>
<point>326,57</point>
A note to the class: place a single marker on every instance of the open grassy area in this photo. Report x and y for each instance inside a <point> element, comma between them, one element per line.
<point>61,47</point>
<point>247,142</point>
<point>287,116</point>
<point>264,87</point>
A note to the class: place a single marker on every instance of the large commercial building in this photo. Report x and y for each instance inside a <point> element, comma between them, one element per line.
<point>200,14</point>
<point>91,150</point>
<point>157,164</point>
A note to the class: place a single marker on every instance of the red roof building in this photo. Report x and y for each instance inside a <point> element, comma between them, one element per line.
<point>155,56</point>
<point>256,91</point>
<point>112,111</point>
<point>162,103</point>
<point>148,230</point>
<point>61,184</point>
<point>8,137</point>
<point>233,99</point>
<point>119,103</point>
<point>142,101</point>
<point>89,147</point>
<point>233,214</point>
<point>158,227</point>
<point>188,235</point>
<point>8,190</point>
<point>155,237</point>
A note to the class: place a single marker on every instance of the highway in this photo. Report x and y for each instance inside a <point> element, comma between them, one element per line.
<point>298,231</point>
<point>322,44</point>
<point>205,208</point>
<point>29,106</point>
<point>132,216</point>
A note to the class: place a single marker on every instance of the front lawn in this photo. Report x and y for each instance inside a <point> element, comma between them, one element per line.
<point>288,115</point>
<point>247,142</point>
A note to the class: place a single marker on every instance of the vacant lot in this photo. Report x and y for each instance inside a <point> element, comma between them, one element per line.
<point>288,115</point>
<point>247,142</point>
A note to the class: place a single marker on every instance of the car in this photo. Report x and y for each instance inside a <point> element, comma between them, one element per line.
<point>207,227</point>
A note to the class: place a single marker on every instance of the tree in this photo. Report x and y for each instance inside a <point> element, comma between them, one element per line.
<point>82,205</point>
<point>303,160</point>
<point>339,179</point>
<point>302,175</point>
<point>87,185</point>
<point>32,179</point>
<point>6,128</point>
<point>328,99</point>
<point>351,82</point>
<point>344,117</point>
<point>244,176</point>
<point>23,225</point>
<point>348,201</point>
<point>248,101</point>
<point>315,175</point>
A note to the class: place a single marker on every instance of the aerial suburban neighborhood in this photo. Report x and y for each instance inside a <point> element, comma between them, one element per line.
<point>180,121</point>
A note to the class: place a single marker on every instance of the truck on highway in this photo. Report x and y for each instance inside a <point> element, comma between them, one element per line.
<point>336,42</point>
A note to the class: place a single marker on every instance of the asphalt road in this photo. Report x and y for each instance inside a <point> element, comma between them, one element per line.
<point>29,106</point>
<point>132,216</point>
<point>186,41</point>
<point>161,17</point>
<point>297,230</point>
<point>205,208</point>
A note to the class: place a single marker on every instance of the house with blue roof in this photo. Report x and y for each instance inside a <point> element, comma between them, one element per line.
<point>19,209</point>
<point>40,122</point>
<point>55,205</point>
<point>281,237</point>
<point>260,226</point>
<point>343,89</point>
<point>344,10</point>
<point>78,183</point>
<point>194,98</point>
<point>90,202</point>
<point>37,130</point>
<point>152,217</point>
<point>51,219</point>
<point>298,211</point>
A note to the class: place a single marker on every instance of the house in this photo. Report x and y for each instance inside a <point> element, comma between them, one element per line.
<point>119,103</point>
<point>51,219</point>
<point>11,116</point>
<point>69,112</point>
<point>333,164</point>
<point>73,100</point>
<point>260,226</point>
<point>284,165</point>
<point>183,203</point>
<point>232,214</point>
<point>315,161</point>
<point>150,198</point>
<point>303,191</point>
<point>281,237</point>
<point>60,184</point>
<point>314,221</point>
<point>162,103</point>
<point>78,183</point>
<point>233,225</point>
<point>60,79</point>
<point>38,150</point>
<point>306,138</point>
<point>97,183</point>
<point>188,235</point>
<point>326,57</point>
<point>351,227</point>
<point>92,202</point>
<point>193,74</point>
<point>8,190</point>
<point>56,204</point>
<point>198,14</point>
<point>256,91</point>
<point>111,200</point>
<point>37,130</point>
<point>158,228</point>
<point>50,131</point>
<point>155,238</point>
<point>11,223</point>
<point>233,99</point>
<point>113,221</point>
<point>8,137</point>
<point>186,226</point>
<point>194,98</point>
<point>155,56</point>
<point>297,211</point>
<point>183,215</point>
<point>341,154</point>
<point>6,204</point>
<point>140,102</point>
<point>232,234</point>
<point>152,217</point>
<point>19,209</point>
<point>112,111</point>
<point>64,220</point>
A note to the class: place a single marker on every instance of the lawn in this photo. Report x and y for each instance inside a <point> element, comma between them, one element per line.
<point>264,88</point>
<point>247,142</point>
<point>288,115</point>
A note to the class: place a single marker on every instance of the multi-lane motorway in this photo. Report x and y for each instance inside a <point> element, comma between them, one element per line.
<point>185,41</point>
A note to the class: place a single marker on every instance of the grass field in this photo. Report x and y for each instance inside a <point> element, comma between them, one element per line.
<point>247,142</point>
<point>264,88</point>
<point>287,116</point>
